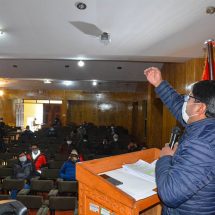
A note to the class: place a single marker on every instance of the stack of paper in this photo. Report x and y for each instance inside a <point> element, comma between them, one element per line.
<point>141,169</point>
<point>138,179</point>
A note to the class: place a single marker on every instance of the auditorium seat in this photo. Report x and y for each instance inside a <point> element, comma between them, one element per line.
<point>52,174</point>
<point>34,204</point>
<point>62,205</point>
<point>4,172</point>
<point>67,187</point>
<point>55,164</point>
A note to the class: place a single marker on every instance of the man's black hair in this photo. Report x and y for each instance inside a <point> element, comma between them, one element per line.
<point>204,91</point>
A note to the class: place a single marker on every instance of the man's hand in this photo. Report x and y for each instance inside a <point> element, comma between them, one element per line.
<point>153,75</point>
<point>166,150</point>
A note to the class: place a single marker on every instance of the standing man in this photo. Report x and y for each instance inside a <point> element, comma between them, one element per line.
<point>185,176</point>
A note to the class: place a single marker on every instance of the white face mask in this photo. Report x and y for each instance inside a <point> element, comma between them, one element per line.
<point>185,116</point>
<point>184,113</point>
<point>22,159</point>
<point>69,142</point>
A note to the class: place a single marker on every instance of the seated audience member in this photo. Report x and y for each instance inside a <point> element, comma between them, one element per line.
<point>56,122</point>
<point>2,128</point>
<point>106,147</point>
<point>67,146</point>
<point>28,133</point>
<point>84,146</point>
<point>68,170</point>
<point>38,159</point>
<point>52,132</point>
<point>24,169</point>
<point>115,145</point>
<point>132,146</point>
<point>2,124</point>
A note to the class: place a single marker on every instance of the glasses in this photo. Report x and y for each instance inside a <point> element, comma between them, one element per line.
<point>187,97</point>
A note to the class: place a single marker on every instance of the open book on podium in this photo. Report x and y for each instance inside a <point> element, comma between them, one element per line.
<point>106,187</point>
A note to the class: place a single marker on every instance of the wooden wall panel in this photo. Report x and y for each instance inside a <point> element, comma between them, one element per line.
<point>7,110</point>
<point>101,113</point>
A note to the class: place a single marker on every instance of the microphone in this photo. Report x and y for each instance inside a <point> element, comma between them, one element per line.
<point>174,136</point>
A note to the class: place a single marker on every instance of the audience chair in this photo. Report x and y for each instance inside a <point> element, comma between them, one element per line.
<point>62,205</point>
<point>4,172</point>
<point>51,174</point>
<point>10,184</point>
<point>34,204</point>
<point>67,187</point>
<point>55,164</point>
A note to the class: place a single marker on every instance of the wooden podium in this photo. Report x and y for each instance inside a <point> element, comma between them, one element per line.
<point>97,196</point>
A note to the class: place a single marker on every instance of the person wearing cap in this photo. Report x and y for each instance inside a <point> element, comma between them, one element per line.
<point>68,170</point>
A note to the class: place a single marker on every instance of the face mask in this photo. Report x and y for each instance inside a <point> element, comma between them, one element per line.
<point>185,116</point>
<point>115,139</point>
<point>69,142</point>
<point>35,151</point>
<point>22,159</point>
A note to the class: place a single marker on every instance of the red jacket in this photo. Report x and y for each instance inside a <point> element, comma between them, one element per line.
<point>39,162</point>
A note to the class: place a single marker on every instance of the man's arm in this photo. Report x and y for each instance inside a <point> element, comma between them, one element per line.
<point>168,95</point>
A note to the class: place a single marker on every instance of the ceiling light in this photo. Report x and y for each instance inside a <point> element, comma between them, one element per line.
<point>105,38</point>
<point>1,92</point>
<point>67,83</point>
<point>94,83</point>
<point>81,5</point>
<point>81,63</point>
<point>210,10</point>
<point>47,81</point>
<point>1,33</point>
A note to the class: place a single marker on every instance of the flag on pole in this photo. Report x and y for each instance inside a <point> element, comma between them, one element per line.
<point>206,71</point>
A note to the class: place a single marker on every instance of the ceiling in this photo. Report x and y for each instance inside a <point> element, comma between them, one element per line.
<point>39,41</point>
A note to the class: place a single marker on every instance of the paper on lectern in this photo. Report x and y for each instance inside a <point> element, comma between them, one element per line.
<point>141,169</point>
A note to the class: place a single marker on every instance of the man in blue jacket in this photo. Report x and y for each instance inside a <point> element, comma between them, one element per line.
<point>185,176</point>
<point>68,170</point>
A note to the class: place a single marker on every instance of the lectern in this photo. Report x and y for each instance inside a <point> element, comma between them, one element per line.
<point>97,196</point>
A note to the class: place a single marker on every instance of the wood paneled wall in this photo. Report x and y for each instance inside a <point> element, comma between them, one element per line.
<point>101,113</point>
<point>7,110</point>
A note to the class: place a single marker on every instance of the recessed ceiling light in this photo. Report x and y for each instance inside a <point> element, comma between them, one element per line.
<point>1,33</point>
<point>81,63</point>
<point>67,83</point>
<point>81,5</point>
<point>47,81</point>
<point>94,83</point>
<point>210,10</point>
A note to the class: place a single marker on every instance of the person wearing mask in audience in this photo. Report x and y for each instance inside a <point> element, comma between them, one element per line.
<point>67,146</point>
<point>84,147</point>
<point>24,169</point>
<point>2,128</point>
<point>28,133</point>
<point>68,170</point>
<point>115,145</point>
<point>132,146</point>
<point>38,159</point>
<point>56,122</point>
<point>52,132</point>
<point>185,175</point>
<point>106,148</point>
